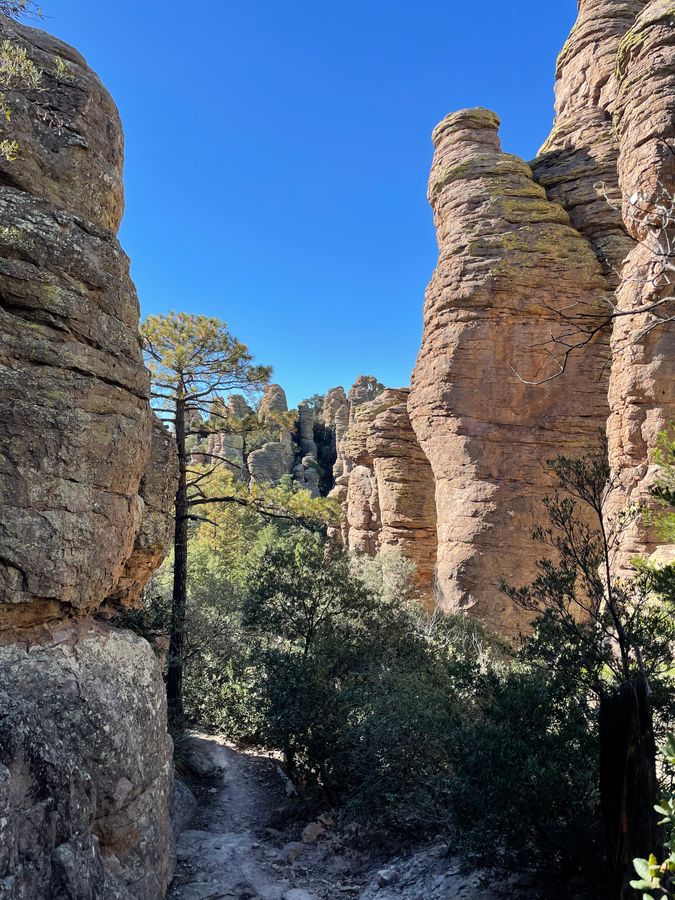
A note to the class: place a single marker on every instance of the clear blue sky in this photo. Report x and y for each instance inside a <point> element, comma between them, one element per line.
<point>277,155</point>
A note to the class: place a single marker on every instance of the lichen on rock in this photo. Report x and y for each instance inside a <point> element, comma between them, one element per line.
<point>86,488</point>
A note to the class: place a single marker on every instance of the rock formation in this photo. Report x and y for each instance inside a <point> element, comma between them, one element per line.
<point>511,259</point>
<point>273,404</point>
<point>226,446</point>
<point>581,153</point>
<point>508,257</point>
<point>286,453</point>
<point>384,481</point>
<point>276,458</point>
<point>611,139</point>
<point>642,382</point>
<point>86,492</point>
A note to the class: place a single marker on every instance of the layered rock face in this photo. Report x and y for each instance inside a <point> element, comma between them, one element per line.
<point>384,481</point>
<point>581,154</point>
<point>86,490</point>
<point>508,258</point>
<point>612,138</point>
<point>642,382</point>
<point>511,260</point>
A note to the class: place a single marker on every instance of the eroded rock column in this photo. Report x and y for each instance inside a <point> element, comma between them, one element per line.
<point>642,384</point>
<point>508,259</point>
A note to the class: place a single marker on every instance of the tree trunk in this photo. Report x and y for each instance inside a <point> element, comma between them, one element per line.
<point>628,784</point>
<point>174,680</point>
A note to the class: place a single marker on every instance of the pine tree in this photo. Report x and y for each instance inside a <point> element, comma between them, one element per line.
<point>194,361</point>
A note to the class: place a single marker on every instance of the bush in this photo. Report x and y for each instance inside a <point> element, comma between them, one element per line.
<point>358,686</point>
<point>524,790</point>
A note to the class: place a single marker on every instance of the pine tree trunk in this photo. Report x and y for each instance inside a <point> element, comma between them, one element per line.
<point>628,784</point>
<point>174,680</point>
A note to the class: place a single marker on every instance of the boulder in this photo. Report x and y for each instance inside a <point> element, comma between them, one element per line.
<point>85,774</point>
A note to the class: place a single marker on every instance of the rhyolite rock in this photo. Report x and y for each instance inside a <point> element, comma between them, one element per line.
<point>157,491</point>
<point>508,257</point>
<point>485,404</point>
<point>642,381</point>
<point>611,141</point>
<point>384,481</point>
<point>271,462</point>
<point>85,766</point>
<point>87,476</point>
<point>578,163</point>
<point>69,133</point>
<point>273,404</point>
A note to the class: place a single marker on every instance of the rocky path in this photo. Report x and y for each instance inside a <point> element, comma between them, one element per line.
<point>231,851</point>
<point>227,851</point>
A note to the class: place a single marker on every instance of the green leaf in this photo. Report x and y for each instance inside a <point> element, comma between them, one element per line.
<point>641,866</point>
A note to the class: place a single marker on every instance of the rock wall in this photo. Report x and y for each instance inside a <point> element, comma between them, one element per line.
<point>86,489</point>
<point>642,382</point>
<point>611,139</point>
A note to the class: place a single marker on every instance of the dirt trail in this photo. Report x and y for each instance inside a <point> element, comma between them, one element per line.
<point>227,853</point>
<point>230,852</point>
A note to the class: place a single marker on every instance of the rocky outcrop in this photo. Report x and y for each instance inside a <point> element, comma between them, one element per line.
<point>227,446</point>
<point>508,257</point>
<point>276,458</point>
<point>273,460</point>
<point>157,491</point>
<point>273,404</point>
<point>306,429</point>
<point>642,382</point>
<point>291,449</point>
<point>86,490</point>
<point>385,483</point>
<point>612,138</point>
<point>489,402</point>
<point>578,163</point>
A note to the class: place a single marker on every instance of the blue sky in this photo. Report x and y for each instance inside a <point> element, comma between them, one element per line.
<point>277,155</point>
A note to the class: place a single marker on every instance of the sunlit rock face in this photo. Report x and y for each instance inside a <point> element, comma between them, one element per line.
<point>508,258</point>
<point>578,163</point>
<point>384,481</point>
<point>642,383</point>
<point>611,141</point>
<point>518,245</point>
<point>87,477</point>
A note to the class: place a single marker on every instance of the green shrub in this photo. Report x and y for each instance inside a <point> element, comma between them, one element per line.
<point>524,793</point>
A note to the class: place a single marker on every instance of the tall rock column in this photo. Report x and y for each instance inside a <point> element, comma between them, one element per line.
<point>87,478</point>
<point>642,383</point>
<point>578,163</point>
<point>508,258</point>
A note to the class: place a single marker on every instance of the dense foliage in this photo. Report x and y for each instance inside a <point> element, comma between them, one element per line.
<point>409,721</point>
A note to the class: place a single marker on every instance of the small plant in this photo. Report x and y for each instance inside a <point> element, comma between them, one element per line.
<point>657,879</point>
<point>17,72</point>
<point>62,70</point>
